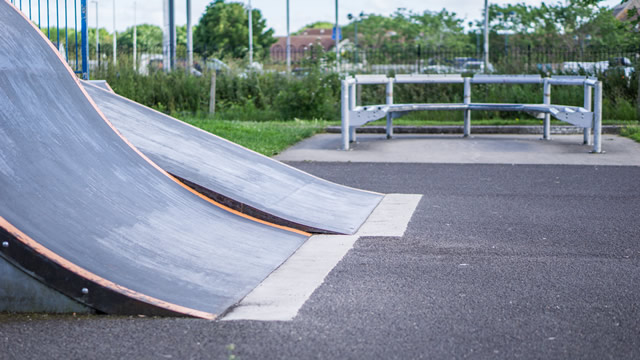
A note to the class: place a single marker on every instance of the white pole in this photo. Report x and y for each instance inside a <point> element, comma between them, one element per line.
<point>115,35</point>
<point>486,36</point>
<point>250,35</point>
<point>189,37</point>
<point>135,39</point>
<point>597,118</point>
<point>97,36</point>
<point>166,37</point>
<point>288,42</point>
<point>337,31</point>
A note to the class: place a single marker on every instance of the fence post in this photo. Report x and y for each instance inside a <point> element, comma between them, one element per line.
<point>345,114</point>
<point>587,106</point>
<point>467,101</point>
<point>597,118</point>
<point>85,40</point>
<point>212,94</point>
<point>389,102</point>
<point>418,60</point>
<point>546,99</point>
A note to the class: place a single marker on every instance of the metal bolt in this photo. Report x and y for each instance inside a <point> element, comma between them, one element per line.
<point>5,244</point>
<point>85,291</point>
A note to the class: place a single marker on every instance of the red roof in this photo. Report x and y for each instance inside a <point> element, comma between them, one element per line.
<point>300,45</point>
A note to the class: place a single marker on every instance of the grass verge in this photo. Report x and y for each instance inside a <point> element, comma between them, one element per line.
<point>272,137</point>
<point>632,132</point>
<point>266,137</point>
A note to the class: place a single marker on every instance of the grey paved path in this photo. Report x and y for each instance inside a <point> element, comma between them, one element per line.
<point>479,149</point>
<point>499,261</point>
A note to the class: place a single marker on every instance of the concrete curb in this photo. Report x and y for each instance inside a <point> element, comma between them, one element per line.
<point>478,129</point>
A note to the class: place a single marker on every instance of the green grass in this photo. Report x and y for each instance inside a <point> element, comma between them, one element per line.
<point>632,132</point>
<point>272,137</point>
<point>266,137</point>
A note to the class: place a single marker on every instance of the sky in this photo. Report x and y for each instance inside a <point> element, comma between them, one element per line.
<point>301,12</point>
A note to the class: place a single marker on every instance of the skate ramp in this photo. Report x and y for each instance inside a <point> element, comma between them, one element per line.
<point>85,213</point>
<point>238,177</point>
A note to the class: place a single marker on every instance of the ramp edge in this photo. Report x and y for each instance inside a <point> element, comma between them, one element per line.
<point>79,284</point>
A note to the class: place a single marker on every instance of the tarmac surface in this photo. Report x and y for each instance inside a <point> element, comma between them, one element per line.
<point>498,261</point>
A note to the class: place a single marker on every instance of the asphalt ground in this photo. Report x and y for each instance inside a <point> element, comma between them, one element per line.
<point>498,261</point>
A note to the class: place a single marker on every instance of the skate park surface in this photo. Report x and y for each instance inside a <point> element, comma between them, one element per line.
<point>499,260</point>
<point>482,259</point>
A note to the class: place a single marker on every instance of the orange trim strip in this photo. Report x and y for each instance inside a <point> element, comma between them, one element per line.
<point>95,106</point>
<point>26,240</point>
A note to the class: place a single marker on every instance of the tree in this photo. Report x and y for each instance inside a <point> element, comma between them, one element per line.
<point>315,25</point>
<point>223,31</point>
<point>149,38</point>
<point>429,28</point>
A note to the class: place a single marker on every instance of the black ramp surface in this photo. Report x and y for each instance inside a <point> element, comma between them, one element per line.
<point>229,173</point>
<point>80,208</point>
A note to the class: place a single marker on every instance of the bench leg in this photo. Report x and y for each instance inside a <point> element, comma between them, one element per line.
<point>467,123</point>
<point>352,134</point>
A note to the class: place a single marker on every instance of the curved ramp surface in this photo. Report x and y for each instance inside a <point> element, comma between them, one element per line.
<point>238,177</point>
<point>86,213</point>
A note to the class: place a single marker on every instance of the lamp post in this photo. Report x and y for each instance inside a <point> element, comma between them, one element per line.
<point>250,35</point>
<point>288,42</point>
<point>135,38</point>
<point>189,39</point>
<point>355,25</point>
<point>115,36</point>
<point>337,35</point>
<point>97,35</point>
<point>486,35</point>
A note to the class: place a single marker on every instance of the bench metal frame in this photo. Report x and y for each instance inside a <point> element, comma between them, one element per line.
<point>354,116</point>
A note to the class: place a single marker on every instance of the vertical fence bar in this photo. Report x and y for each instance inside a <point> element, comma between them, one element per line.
<point>597,118</point>
<point>75,19</point>
<point>29,9</point>
<point>66,31</point>
<point>345,114</point>
<point>39,26</point>
<point>58,25</point>
<point>587,106</point>
<point>546,99</point>
<point>85,40</point>
<point>389,93</point>
<point>467,101</point>
<point>48,31</point>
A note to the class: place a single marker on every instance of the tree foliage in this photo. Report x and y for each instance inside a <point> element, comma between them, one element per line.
<point>429,28</point>
<point>568,24</point>
<point>315,25</point>
<point>578,23</point>
<point>223,31</point>
<point>149,37</point>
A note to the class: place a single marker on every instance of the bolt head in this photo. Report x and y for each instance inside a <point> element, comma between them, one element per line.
<point>5,244</point>
<point>85,291</point>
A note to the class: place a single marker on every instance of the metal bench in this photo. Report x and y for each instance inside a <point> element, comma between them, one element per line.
<point>354,116</point>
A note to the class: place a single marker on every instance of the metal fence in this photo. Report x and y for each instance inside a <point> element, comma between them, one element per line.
<point>58,23</point>
<point>417,59</point>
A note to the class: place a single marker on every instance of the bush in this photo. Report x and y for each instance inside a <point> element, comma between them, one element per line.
<point>247,95</point>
